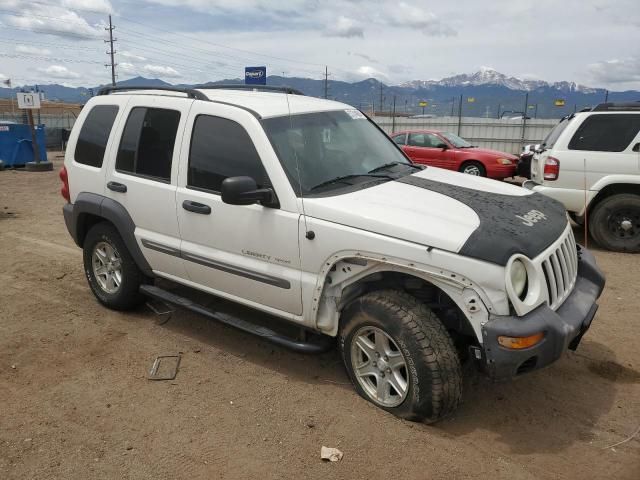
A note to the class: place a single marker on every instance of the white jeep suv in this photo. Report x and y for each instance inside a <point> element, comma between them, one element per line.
<point>591,163</point>
<point>304,210</point>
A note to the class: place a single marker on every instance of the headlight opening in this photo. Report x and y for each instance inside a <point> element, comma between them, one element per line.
<point>519,279</point>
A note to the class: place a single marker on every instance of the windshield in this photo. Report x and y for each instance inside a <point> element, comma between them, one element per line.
<point>326,146</point>
<point>455,140</point>
<point>554,134</point>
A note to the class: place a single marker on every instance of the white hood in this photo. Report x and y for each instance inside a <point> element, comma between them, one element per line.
<point>414,214</point>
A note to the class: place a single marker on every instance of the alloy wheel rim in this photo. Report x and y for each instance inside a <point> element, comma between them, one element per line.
<point>379,366</point>
<point>107,267</point>
<point>471,170</point>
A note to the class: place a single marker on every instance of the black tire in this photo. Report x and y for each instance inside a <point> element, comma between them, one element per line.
<point>434,386</point>
<point>472,164</point>
<point>127,295</point>
<point>606,223</point>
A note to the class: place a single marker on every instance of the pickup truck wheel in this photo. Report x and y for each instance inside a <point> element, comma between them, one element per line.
<point>112,273</point>
<point>400,357</point>
<point>615,223</point>
<point>473,168</point>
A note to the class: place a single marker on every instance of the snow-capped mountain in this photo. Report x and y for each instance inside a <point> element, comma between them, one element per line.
<point>489,76</point>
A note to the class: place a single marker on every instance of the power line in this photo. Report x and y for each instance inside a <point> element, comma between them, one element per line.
<point>221,45</point>
<point>50,59</point>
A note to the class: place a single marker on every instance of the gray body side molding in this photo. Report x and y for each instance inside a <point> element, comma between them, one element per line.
<point>109,209</point>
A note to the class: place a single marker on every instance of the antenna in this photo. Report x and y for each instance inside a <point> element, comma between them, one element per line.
<point>310,235</point>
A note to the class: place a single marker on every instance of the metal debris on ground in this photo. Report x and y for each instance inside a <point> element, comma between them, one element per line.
<point>161,309</point>
<point>170,373</point>
<point>330,454</point>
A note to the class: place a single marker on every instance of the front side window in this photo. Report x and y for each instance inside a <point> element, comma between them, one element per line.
<point>94,135</point>
<point>147,144</point>
<point>606,133</point>
<point>222,148</point>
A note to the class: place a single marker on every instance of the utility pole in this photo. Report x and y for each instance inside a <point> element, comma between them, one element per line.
<point>453,103</point>
<point>381,99</point>
<point>112,52</point>
<point>524,117</point>
<point>606,96</point>
<point>326,81</point>
<point>460,114</point>
<point>393,120</point>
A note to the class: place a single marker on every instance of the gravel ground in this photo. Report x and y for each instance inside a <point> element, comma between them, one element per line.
<point>76,404</point>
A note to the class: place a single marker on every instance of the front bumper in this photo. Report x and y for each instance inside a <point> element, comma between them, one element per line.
<point>563,328</point>
<point>502,171</point>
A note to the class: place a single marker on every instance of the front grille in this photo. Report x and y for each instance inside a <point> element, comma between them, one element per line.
<point>561,270</point>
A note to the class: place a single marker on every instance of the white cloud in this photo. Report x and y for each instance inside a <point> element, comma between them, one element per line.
<point>345,27</point>
<point>32,50</point>
<point>624,70</point>
<point>3,76</point>
<point>59,71</point>
<point>161,71</point>
<point>52,20</point>
<point>409,16</point>
<point>96,6</point>
<point>126,67</point>
<point>132,56</point>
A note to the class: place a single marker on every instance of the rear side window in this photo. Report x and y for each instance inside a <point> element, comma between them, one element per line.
<point>94,135</point>
<point>606,133</point>
<point>221,148</point>
<point>146,147</point>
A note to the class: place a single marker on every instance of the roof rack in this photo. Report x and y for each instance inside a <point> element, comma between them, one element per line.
<point>255,88</point>
<point>190,92</point>
<point>617,107</point>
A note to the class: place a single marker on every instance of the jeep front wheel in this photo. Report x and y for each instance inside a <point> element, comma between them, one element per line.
<point>400,357</point>
<point>615,223</point>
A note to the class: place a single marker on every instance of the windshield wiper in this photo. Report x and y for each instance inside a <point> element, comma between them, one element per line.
<point>392,164</point>
<point>348,177</point>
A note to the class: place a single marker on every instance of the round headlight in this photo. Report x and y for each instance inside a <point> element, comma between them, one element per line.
<point>518,276</point>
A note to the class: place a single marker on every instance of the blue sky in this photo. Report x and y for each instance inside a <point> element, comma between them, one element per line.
<point>592,42</point>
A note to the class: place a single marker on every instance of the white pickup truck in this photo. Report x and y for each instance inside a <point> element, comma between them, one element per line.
<point>305,210</point>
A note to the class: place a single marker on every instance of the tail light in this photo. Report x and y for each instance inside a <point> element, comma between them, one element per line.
<point>64,191</point>
<point>551,168</point>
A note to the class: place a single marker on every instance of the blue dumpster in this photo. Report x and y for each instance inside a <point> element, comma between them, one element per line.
<point>15,144</point>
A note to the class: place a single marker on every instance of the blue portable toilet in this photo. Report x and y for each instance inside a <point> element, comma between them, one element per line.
<point>15,144</point>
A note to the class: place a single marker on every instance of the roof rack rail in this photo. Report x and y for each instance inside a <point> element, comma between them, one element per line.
<point>256,88</point>
<point>190,92</point>
<point>617,107</point>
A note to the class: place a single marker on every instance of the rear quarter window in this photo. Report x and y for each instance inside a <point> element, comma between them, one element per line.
<point>606,133</point>
<point>94,135</point>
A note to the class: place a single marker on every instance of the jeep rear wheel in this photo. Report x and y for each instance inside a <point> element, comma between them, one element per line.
<point>112,273</point>
<point>615,223</point>
<point>400,357</point>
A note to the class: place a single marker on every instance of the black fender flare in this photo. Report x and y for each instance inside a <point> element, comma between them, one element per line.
<point>110,210</point>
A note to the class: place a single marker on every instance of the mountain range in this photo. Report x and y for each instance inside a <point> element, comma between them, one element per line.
<point>483,93</point>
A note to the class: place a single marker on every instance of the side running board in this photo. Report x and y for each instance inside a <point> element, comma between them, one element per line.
<point>322,344</point>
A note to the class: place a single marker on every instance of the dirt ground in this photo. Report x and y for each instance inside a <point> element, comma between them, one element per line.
<point>75,402</point>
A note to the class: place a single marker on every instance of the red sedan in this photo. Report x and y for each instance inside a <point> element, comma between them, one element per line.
<point>446,150</point>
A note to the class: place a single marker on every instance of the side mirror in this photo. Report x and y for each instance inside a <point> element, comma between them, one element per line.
<point>443,146</point>
<point>245,191</point>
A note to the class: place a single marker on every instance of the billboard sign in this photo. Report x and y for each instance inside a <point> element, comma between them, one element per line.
<point>255,75</point>
<point>28,100</point>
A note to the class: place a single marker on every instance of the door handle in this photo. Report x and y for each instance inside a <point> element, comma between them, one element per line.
<point>196,207</point>
<point>117,187</point>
